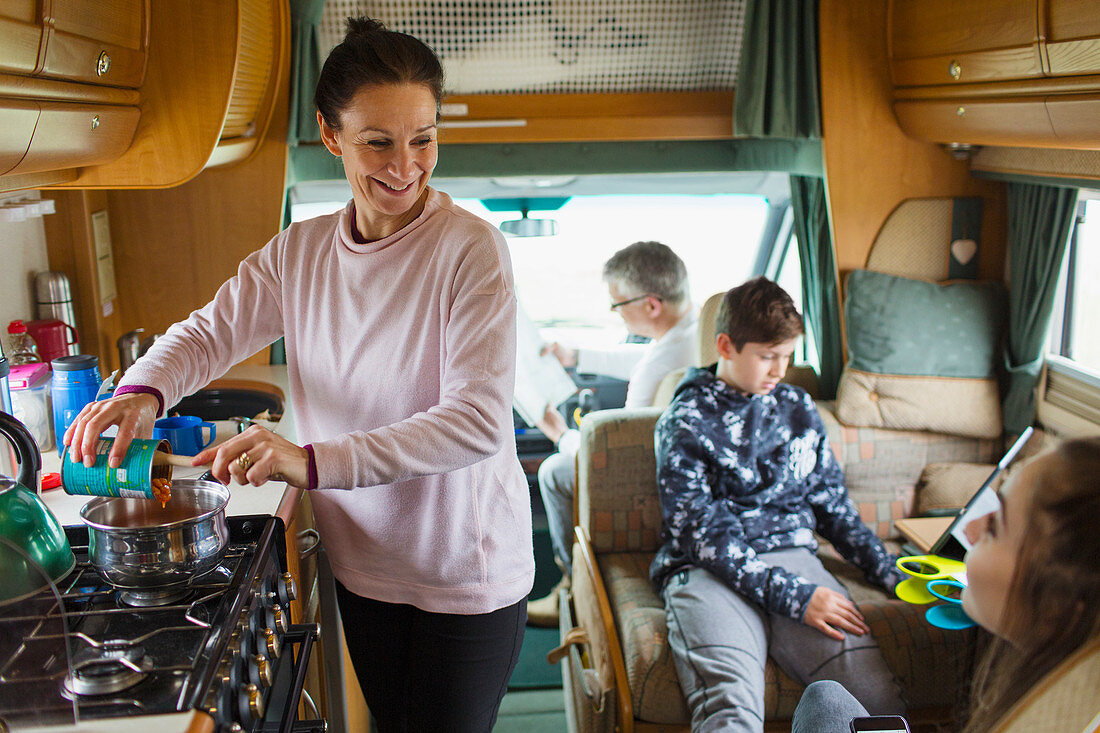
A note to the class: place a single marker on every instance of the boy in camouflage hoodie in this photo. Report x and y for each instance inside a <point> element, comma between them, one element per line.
<point>746,476</point>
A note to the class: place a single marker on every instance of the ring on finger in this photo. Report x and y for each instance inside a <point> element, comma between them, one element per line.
<point>244,461</point>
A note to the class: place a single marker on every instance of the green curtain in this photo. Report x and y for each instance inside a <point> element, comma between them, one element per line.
<point>305,68</point>
<point>777,91</point>
<point>820,296</point>
<point>1039,222</point>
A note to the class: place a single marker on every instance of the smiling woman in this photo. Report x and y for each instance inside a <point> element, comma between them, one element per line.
<point>385,137</point>
<point>399,315</point>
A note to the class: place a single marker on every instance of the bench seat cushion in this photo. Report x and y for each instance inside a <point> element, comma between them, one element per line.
<point>930,663</point>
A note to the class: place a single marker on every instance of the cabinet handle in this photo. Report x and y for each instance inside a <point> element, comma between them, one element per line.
<point>960,111</point>
<point>311,550</point>
<point>102,64</point>
<point>95,121</point>
<point>955,70</point>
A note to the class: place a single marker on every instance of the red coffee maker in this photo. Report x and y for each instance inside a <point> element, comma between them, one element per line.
<point>54,338</point>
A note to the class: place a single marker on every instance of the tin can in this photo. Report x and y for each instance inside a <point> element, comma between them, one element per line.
<point>133,479</point>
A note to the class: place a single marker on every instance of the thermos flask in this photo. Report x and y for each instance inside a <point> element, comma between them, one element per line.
<point>54,299</point>
<point>74,384</point>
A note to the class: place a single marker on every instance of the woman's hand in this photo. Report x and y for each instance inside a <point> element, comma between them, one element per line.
<point>133,413</point>
<point>830,609</point>
<point>255,457</point>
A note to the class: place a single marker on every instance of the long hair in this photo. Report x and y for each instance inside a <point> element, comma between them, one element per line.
<point>1053,604</point>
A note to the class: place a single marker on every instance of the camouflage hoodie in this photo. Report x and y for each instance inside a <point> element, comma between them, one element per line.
<point>739,475</point>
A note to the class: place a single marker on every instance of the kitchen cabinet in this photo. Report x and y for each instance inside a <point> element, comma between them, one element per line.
<point>67,135</point>
<point>21,31</point>
<point>216,73</point>
<point>933,42</point>
<point>1072,30</point>
<point>1075,119</point>
<point>1022,122</point>
<point>69,72</point>
<point>190,85</point>
<point>997,72</point>
<point>16,128</point>
<point>96,43</point>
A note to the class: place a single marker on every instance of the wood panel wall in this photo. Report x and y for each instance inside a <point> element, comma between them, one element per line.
<point>70,249</point>
<point>174,247</point>
<point>871,166</point>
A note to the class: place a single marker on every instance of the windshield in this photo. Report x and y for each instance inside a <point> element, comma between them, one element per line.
<point>558,278</point>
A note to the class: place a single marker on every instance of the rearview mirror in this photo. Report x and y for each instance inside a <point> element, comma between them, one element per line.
<point>529,227</point>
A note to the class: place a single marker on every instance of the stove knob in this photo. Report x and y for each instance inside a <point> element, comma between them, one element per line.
<point>259,671</point>
<point>224,699</point>
<point>274,646</point>
<point>245,645</point>
<point>276,619</point>
<point>288,589</point>
<point>250,704</point>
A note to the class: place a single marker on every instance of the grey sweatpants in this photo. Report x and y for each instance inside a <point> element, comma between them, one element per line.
<point>720,643</point>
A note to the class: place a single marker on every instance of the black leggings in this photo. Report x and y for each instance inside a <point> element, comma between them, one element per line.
<point>423,671</point>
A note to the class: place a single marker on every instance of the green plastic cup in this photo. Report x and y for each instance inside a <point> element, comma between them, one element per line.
<point>133,479</point>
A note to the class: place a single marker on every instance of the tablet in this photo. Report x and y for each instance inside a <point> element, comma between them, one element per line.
<point>953,543</point>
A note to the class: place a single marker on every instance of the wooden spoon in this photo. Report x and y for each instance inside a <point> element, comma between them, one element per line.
<point>160,458</point>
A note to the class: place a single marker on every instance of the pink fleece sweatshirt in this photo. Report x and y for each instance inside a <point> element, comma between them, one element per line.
<point>401,358</point>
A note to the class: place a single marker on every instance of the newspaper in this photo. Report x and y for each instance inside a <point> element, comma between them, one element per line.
<point>540,380</point>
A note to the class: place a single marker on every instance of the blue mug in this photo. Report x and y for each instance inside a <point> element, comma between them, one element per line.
<point>184,433</point>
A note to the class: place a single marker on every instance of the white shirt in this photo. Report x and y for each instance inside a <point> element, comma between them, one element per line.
<point>644,365</point>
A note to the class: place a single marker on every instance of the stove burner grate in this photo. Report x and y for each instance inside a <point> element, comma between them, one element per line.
<point>152,598</point>
<point>103,670</point>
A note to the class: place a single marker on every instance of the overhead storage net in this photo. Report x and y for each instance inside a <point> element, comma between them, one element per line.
<point>564,46</point>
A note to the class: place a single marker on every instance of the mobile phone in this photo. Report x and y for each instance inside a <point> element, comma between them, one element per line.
<point>880,724</point>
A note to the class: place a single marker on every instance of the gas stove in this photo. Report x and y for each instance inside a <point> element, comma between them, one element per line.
<point>222,644</point>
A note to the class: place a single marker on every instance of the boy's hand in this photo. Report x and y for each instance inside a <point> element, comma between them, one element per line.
<point>828,609</point>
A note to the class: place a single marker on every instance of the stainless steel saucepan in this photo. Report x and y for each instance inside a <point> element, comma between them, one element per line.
<point>137,544</point>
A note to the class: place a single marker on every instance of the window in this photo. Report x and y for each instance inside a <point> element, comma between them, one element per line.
<point>784,265</point>
<point>1070,400</point>
<point>558,278</point>
<point>1075,326</point>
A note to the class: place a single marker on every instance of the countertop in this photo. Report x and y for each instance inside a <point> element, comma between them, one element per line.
<point>272,498</point>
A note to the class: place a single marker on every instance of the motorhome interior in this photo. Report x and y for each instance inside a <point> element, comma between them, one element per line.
<point>922,177</point>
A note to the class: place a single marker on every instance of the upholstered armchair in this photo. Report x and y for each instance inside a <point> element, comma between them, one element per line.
<point>617,667</point>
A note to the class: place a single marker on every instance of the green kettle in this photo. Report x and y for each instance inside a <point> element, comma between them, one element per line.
<point>33,544</point>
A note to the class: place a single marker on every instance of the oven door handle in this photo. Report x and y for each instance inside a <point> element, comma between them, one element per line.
<point>305,635</point>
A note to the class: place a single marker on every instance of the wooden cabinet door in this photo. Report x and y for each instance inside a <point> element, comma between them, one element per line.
<point>1072,29</point>
<point>938,42</point>
<point>73,135</point>
<point>20,36</point>
<point>17,120</point>
<point>1076,120</point>
<point>101,42</point>
<point>1007,121</point>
